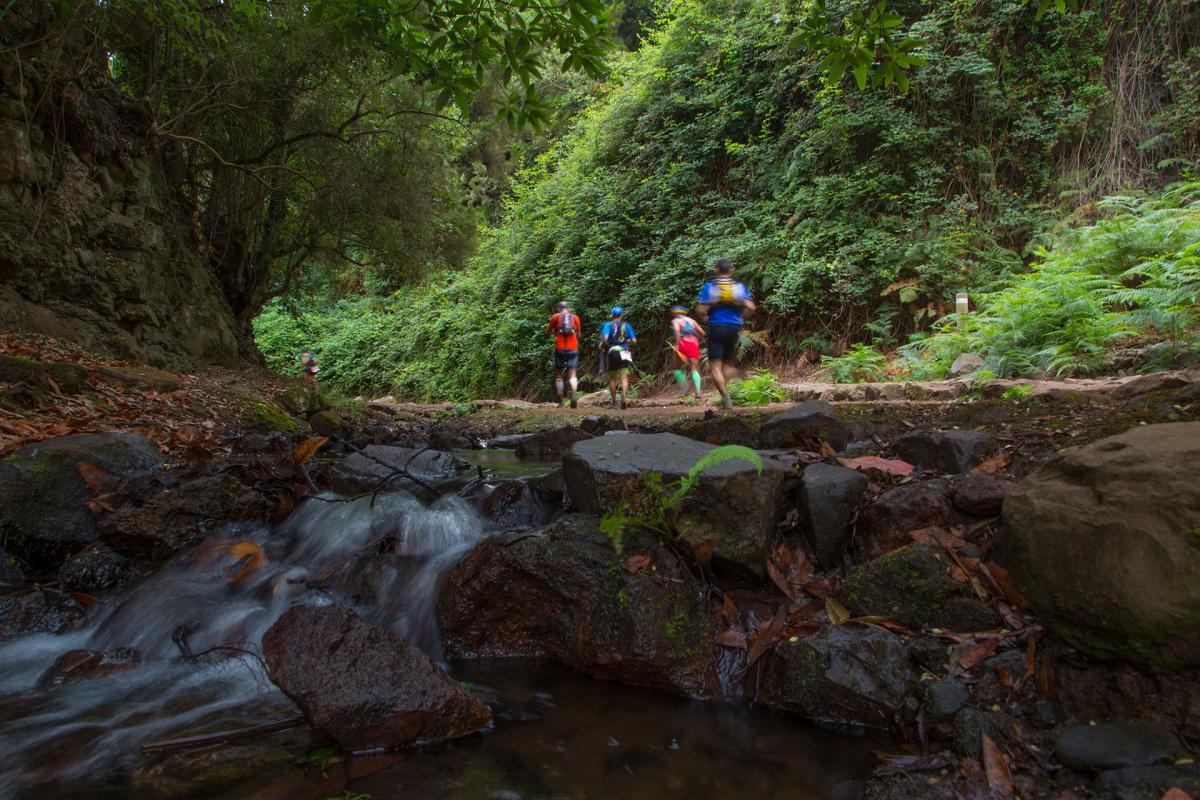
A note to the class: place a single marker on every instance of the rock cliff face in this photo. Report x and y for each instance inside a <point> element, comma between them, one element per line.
<point>95,246</point>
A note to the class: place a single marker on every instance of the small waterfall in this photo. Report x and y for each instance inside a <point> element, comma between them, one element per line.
<point>224,592</point>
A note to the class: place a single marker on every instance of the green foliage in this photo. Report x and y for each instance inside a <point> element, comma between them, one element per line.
<point>657,508</point>
<point>860,364</point>
<point>1018,392</point>
<point>758,390</point>
<point>1134,272</point>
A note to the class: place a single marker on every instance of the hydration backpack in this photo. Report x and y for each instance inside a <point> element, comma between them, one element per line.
<point>566,324</point>
<point>616,333</point>
<point>729,292</point>
<point>688,329</point>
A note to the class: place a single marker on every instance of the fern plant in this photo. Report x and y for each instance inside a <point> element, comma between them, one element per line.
<point>658,507</point>
<point>860,364</point>
<point>757,390</point>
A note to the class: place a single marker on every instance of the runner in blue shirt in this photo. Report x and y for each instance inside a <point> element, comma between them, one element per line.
<point>615,340</point>
<point>722,303</point>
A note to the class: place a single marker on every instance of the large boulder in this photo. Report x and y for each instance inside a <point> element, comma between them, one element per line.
<point>829,496</point>
<point>393,468</point>
<point>363,685</point>
<point>914,587</point>
<point>1104,541</point>
<point>888,523</point>
<point>43,495</point>
<point>843,674</point>
<point>734,505</point>
<point>1115,745</point>
<point>564,593</point>
<point>552,443</point>
<point>807,425</point>
<point>953,451</point>
<point>182,516</point>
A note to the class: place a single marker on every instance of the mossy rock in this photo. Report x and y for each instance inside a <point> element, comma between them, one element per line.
<point>70,378</point>
<point>326,423</point>
<point>913,586</point>
<point>259,416</point>
<point>301,399</point>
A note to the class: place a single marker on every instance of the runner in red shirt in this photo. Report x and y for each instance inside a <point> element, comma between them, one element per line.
<point>565,327</point>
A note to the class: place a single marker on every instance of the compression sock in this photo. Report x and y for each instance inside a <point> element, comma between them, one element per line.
<point>574,385</point>
<point>696,381</point>
<point>679,377</point>
<point>558,385</point>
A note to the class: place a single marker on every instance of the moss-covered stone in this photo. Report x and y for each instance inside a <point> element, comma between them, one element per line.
<point>259,416</point>
<point>913,586</point>
<point>70,378</point>
<point>326,423</point>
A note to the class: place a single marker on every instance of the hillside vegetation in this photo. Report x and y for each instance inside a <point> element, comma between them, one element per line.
<point>853,214</point>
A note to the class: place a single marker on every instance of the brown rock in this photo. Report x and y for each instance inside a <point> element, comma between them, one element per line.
<point>363,685</point>
<point>75,665</point>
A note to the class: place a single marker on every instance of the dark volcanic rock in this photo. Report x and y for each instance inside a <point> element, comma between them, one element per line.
<point>552,443</point>
<point>828,498</point>
<point>1115,745</point>
<point>77,665</point>
<point>326,423</point>
<point>42,493</point>
<point>853,675</point>
<point>981,495</point>
<point>178,517</point>
<point>1155,780</point>
<point>94,568</point>
<point>69,378</point>
<point>364,685</point>
<point>563,593</point>
<point>516,504</point>
<point>888,522</point>
<point>45,611</point>
<point>953,451</point>
<point>806,425</point>
<point>1102,540</point>
<point>734,506</point>
<point>913,587</point>
<point>363,472</point>
<point>944,698</point>
<point>720,431</point>
<point>969,726</point>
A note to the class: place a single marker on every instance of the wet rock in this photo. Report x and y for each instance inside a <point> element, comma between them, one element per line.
<point>944,699</point>
<point>364,685</point>
<point>1102,541</point>
<point>326,423</point>
<point>275,442</point>
<point>914,587</point>
<point>952,451</point>
<point>851,675</point>
<point>598,425</point>
<point>45,611</point>
<point>928,652</point>
<point>965,364</point>
<point>516,504</point>
<point>11,573</point>
<point>828,498</point>
<point>300,400</point>
<point>1115,745</point>
<point>806,425</point>
<point>211,772</point>
<point>969,726</point>
<point>449,436</point>
<point>734,506</point>
<point>70,378</point>
<point>721,431</point>
<point>981,495</point>
<point>179,517</point>
<point>363,472</point>
<point>77,665</point>
<point>888,522</point>
<point>552,443</point>
<point>43,515</point>
<point>562,593</point>
<point>143,378</point>
<point>95,568</point>
<point>1155,780</point>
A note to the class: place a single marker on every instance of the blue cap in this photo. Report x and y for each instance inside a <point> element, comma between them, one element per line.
<point>617,311</point>
<point>678,310</point>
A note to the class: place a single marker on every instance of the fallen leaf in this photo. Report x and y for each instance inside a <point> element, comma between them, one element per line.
<point>729,609</point>
<point>978,653</point>
<point>1030,654</point>
<point>779,581</point>
<point>636,563</point>
<point>838,613</point>
<point>734,639</point>
<point>901,764</point>
<point>98,479</point>
<point>84,599</point>
<point>880,622</point>
<point>1175,793</point>
<point>1004,582</point>
<point>888,466</point>
<point>995,766</point>
<point>766,636</point>
<point>703,555</point>
<point>995,463</point>
<point>248,557</point>
<point>304,451</point>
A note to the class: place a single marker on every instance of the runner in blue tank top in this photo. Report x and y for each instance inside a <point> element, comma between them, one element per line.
<point>722,303</point>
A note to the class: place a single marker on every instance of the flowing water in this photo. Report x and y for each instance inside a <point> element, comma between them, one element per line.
<point>556,735</point>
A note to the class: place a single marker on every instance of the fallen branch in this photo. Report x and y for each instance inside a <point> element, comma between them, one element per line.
<point>222,737</point>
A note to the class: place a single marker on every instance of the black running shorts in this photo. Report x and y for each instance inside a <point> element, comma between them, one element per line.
<point>566,359</point>
<point>722,342</point>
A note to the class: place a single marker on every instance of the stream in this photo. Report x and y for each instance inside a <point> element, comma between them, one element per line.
<point>557,734</point>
